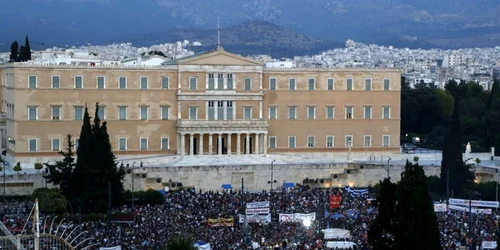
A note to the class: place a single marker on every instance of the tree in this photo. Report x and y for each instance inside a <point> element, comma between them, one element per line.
<point>18,168</point>
<point>382,230</point>
<point>14,52</point>
<point>38,166</point>
<point>180,243</point>
<point>50,200</point>
<point>60,172</point>
<point>27,49</point>
<point>416,226</point>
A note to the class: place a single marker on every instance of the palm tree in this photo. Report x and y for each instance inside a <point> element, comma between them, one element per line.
<point>180,243</point>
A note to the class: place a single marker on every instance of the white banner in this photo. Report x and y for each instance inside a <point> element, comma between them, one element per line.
<point>475,203</point>
<point>289,218</point>
<point>473,210</point>
<point>257,211</point>
<point>489,245</point>
<point>440,207</point>
<point>337,233</point>
<point>111,248</point>
<point>255,218</point>
<point>259,204</point>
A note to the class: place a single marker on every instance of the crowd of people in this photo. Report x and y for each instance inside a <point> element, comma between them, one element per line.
<point>187,213</point>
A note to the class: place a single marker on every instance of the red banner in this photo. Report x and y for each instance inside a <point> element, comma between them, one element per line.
<point>334,201</point>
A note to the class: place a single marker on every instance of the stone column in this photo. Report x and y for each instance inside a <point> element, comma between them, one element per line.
<point>178,143</point>
<point>183,143</point>
<point>265,144</point>
<point>247,144</point>
<point>219,144</point>
<point>200,142</point>
<point>229,137</point>
<point>238,143</point>
<point>210,137</point>
<point>191,144</point>
<point>257,138</point>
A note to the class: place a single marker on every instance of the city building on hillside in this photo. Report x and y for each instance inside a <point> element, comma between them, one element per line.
<point>210,103</point>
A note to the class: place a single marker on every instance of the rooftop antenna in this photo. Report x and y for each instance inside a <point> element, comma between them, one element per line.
<point>218,32</point>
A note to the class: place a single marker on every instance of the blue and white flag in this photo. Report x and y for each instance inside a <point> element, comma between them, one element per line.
<point>354,191</point>
<point>202,245</point>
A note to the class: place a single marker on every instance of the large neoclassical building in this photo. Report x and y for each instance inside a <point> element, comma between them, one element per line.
<point>210,103</point>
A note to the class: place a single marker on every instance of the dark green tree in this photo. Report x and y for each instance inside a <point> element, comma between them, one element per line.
<point>27,49</point>
<point>61,171</point>
<point>382,230</point>
<point>416,227</point>
<point>180,243</point>
<point>14,52</point>
<point>492,117</point>
<point>22,54</point>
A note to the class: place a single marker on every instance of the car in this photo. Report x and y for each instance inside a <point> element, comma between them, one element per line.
<point>409,147</point>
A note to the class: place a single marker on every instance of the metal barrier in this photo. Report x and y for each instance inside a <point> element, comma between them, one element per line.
<point>23,242</point>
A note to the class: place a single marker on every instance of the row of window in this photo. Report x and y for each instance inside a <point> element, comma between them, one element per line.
<point>216,110</point>
<point>330,141</point>
<point>165,142</point>
<point>78,111</point>
<point>55,144</point>
<point>219,83</point>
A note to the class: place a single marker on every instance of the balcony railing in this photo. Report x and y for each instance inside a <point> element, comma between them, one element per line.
<point>233,124</point>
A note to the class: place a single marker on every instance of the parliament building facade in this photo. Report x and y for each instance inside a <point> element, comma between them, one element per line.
<point>210,103</point>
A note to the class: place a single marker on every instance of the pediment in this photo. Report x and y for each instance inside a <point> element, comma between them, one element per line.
<point>219,57</point>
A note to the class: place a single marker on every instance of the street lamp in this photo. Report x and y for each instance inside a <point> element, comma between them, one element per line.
<point>388,167</point>
<point>272,173</point>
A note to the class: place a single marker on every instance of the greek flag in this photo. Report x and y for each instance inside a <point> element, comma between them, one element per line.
<point>354,191</point>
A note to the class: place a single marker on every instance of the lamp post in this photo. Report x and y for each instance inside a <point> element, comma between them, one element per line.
<point>349,143</point>
<point>272,174</point>
<point>388,168</point>
<point>496,196</point>
<point>4,197</point>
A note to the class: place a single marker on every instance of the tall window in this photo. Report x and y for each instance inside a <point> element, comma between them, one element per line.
<point>122,113</point>
<point>329,141</point>
<point>193,82</point>
<point>368,140</point>
<point>349,112</point>
<point>386,141</point>
<point>56,112</point>
<point>311,113</point>
<point>164,112</point>
<point>229,110</point>
<point>230,84</point>
<point>272,84</point>
<point>386,112</point>
<point>164,82</point>
<point>368,112</point>
<point>291,113</point>
<point>330,112</point>
<point>291,84</point>
<point>349,141</point>
<point>122,144</point>
<point>387,84</point>
<point>211,81</point>
<point>78,82</point>
<point>32,82</point>
<point>78,110</point>
<point>348,84</point>
<point>56,145</point>
<point>144,113</point>
<point>368,84</point>
<point>102,113</point>
<point>248,113</point>
<point>220,81</point>
<point>33,113</point>
<point>55,82</point>
<point>331,84</point>
<point>312,84</point>
<point>32,145</point>
<point>122,82</point>
<point>144,82</point>
<point>272,142</point>
<point>101,83</point>
<point>220,110</point>
<point>164,143</point>
<point>248,83</point>
<point>144,143</point>
<point>310,141</point>
<point>291,141</point>
<point>193,113</point>
<point>273,113</point>
<point>211,110</point>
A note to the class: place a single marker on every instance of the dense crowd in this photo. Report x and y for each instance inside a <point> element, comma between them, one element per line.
<point>186,213</point>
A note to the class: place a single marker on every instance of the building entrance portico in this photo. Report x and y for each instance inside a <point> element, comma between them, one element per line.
<point>222,140</point>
